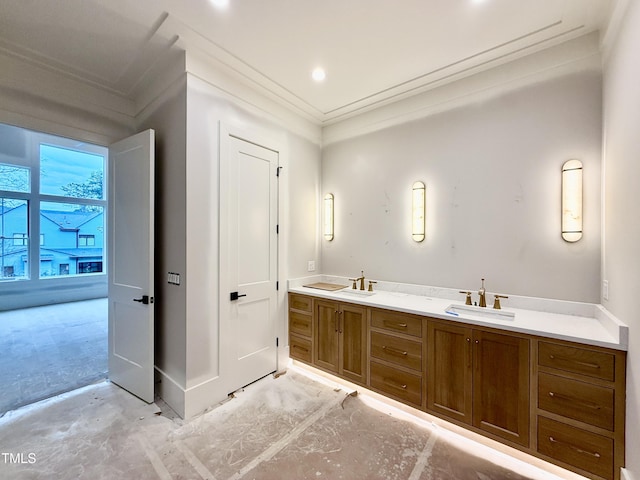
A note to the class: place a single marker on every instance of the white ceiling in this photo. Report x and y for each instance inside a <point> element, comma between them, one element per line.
<point>374,51</point>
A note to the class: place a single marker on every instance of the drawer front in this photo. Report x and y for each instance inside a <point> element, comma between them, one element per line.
<point>300,348</point>
<point>577,360</point>
<point>300,323</point>
<point>397,322</point>
<point>402,385</point>
<point>582,449</point>
<point>577,400</point>
<point>300,302</point>
<point>400,351</point>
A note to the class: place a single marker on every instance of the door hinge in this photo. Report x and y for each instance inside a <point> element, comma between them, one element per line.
<point>277,341</point>
<point>278,171</point>
<point>277,229</point>
<point>277,285</point>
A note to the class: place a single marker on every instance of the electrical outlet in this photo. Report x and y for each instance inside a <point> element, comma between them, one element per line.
<point>605,289</point>
<point>311,266</point>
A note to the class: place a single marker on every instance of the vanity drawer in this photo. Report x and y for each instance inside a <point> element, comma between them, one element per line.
<point>396,383</point>
<point>580,401</point>
<point>300,348</point>
<point>585,450</point>
<point>300,302</point>
<point>300,323</point>
<point>397,322</point>
<point>407,353</point>
<point>577,360</point>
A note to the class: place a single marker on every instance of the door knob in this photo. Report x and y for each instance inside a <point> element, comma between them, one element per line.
<point>145,300</point>
<point>235,296</point>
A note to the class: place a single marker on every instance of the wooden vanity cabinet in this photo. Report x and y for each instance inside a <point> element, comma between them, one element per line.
<point>580,405</point>
<point>301,327</point>
<point>396,356</point>
<point>479,377</point>
<point>340,339</point>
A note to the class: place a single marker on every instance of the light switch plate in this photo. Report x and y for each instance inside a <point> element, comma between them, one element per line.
<point>311,266</point>
<point>605,289</point>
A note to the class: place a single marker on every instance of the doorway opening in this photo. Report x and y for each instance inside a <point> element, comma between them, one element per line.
<point>53,279</point>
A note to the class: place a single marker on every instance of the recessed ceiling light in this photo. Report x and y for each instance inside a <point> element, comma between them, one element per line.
<point>318,74</point>
<point>220,3</point>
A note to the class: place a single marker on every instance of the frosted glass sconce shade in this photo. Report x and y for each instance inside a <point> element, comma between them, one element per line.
<point>572,200</point>
<point>327,227</point>
<point>417,212</point>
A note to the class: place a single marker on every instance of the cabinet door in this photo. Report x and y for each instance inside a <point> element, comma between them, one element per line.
<point>325,352</point>
<point>449,371</point>
<point>353,352</point>
<point>501,385</point>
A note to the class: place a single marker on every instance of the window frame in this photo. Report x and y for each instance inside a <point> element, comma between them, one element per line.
<point>32,161</point>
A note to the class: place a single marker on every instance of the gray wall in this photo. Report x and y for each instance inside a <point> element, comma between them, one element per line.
<point>492,171</point>
<point>621,257</point>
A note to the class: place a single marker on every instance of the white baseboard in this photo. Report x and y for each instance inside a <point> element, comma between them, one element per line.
<point>169,390</point>
<point>626,474</point>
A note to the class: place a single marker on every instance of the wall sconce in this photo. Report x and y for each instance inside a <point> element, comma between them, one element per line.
<point>327,228</point>
<point>572,200</point>
<point>417,212</point>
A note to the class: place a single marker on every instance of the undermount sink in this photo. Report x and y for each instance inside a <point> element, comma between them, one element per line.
<point>464,310</point>
<point>360,293</point>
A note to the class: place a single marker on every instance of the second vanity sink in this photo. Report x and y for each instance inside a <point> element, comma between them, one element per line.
<point>463,310</point>
<point>359,293</point>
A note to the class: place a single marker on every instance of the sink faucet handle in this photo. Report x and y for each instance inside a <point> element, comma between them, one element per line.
<point>354,280</point>
<point>468,294</point>
<point>496,301</point>
<point>371,282</point>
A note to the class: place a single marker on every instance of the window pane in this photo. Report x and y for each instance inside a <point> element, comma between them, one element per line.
<point>70,173</point>
<point>14,179</point>
<point>74,239</point>
<point>14,239</point>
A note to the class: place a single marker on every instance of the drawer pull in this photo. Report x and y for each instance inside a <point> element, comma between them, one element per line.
<point>391,383</point>
<point>559,396</point>
<point>573,447</point>
<point>301,348</point>
<point>584,364</point>
<point>393,350</point>
<point>393,324</point>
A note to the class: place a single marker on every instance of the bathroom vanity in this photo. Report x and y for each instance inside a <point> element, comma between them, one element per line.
<point>550,384</point>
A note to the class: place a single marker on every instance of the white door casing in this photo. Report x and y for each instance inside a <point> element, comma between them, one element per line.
<point>131,264</point>
<point>248,261</point>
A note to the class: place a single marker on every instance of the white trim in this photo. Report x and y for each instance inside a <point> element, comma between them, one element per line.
<point>581,54</point>
<point>170,391</point>
<point>626,474</point>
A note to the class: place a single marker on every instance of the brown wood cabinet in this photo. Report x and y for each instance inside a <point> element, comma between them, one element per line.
<point>561,401</point>
<point>580,407</point>
<point>480,378</point>
<point>340,344</point>
<point>301,327</point>
<point>396,356</point>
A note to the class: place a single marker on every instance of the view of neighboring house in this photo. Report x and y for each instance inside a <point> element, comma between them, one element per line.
<point>71,242</point>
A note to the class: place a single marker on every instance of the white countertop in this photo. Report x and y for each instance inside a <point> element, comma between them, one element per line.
<point>584,323</point>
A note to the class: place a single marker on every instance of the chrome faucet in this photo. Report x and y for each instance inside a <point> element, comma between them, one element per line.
<point>359,279</point>
<point>483,295</point>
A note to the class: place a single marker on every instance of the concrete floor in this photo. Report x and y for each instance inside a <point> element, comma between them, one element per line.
<point>290,427</point>
<point>45,351</point>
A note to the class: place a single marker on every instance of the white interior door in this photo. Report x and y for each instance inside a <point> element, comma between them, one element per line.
<point>249,185</point>
<point>131,254</point>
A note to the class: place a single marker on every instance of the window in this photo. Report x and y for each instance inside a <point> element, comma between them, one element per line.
<point>20,239</point>
<point>86,240</point>
<point>14,248</point>
<point>64,206</point>
<point>89,267</point>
